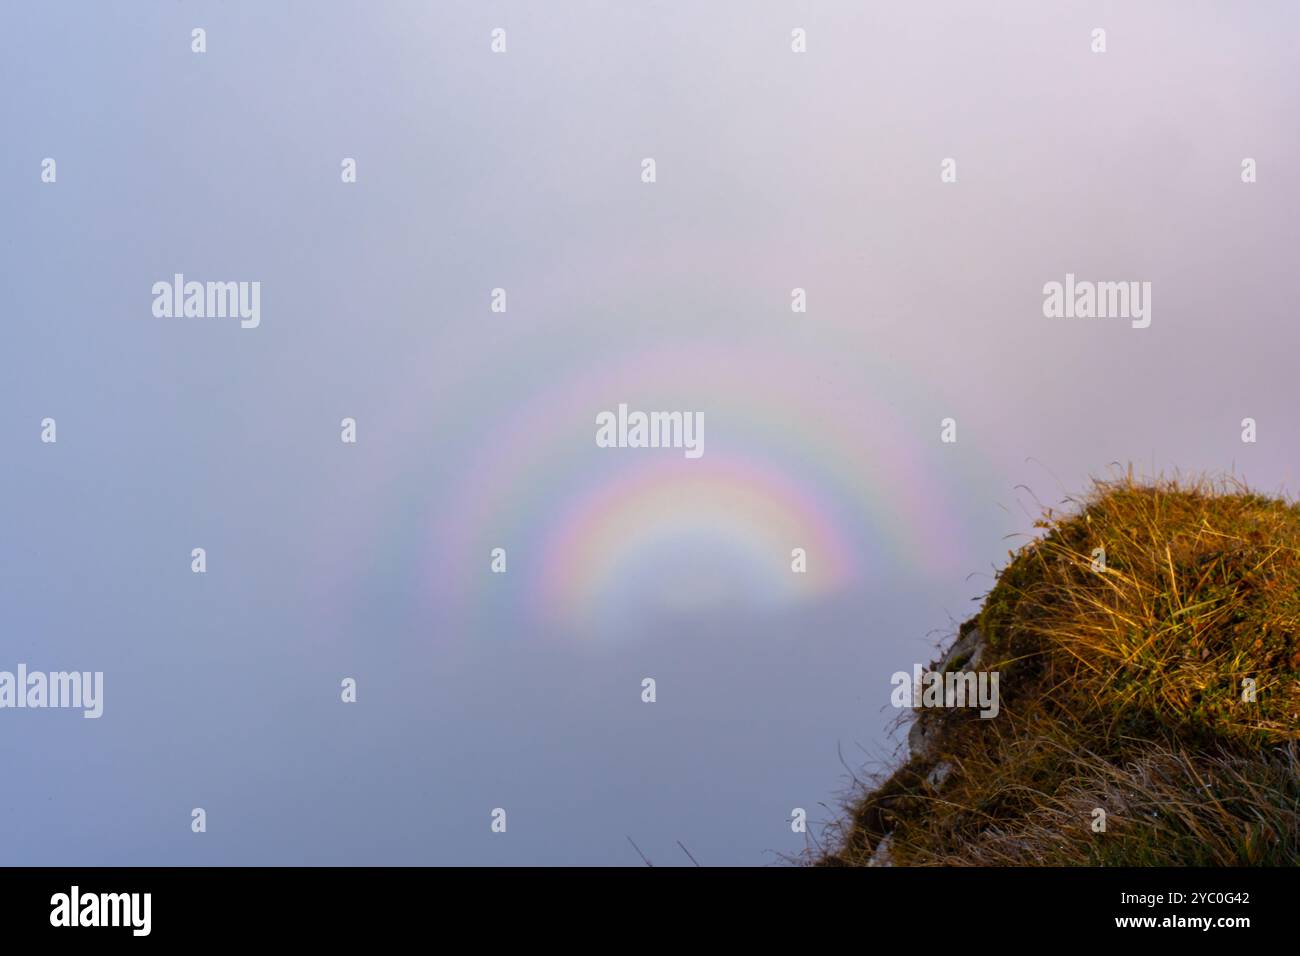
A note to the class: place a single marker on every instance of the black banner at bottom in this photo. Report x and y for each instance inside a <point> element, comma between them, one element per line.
<point>335,905</point>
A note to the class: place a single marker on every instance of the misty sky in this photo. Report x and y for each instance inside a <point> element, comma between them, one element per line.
<point>522,171</point>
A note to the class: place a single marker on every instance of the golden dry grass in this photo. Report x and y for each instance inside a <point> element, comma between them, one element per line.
<point>1121,689</point>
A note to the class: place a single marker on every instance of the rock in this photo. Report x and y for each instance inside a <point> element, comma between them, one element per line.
<point>881,857</point>
<point>965,654</point>
<point>922,736</point>
<point>938,774</point>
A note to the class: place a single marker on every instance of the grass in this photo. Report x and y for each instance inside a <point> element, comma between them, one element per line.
<point>1124,689</point>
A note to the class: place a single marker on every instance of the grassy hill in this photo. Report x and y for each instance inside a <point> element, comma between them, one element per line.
<point>1124,688</point>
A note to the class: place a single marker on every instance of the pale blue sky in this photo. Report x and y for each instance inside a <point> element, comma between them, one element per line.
<point>775,170</point>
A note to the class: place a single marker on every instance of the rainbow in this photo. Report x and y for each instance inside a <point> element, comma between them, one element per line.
<point>786,465</point>
<point>744,514</point>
